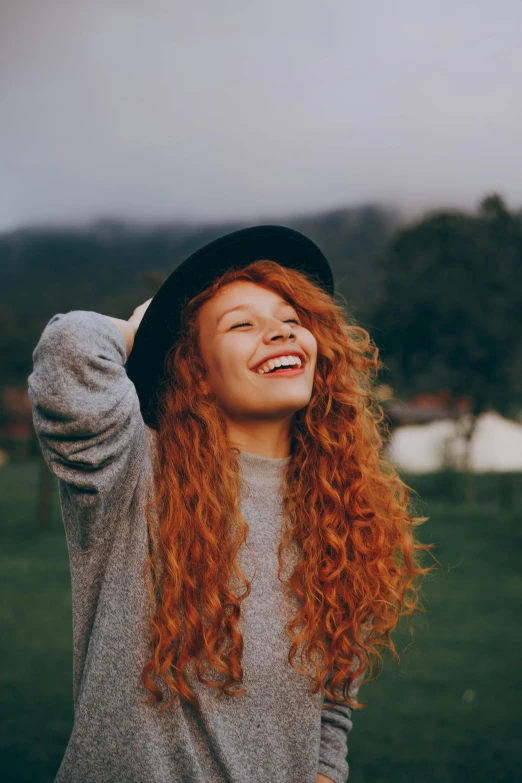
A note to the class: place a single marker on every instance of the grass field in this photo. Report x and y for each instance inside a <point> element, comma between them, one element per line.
<point>451,711</point>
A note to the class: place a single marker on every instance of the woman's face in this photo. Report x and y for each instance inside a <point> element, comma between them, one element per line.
<point>240,329</point>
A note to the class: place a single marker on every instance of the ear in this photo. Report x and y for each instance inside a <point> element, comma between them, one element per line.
<point>205,387</point>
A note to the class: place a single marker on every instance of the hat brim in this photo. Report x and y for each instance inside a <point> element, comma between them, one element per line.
<point>160,325</point>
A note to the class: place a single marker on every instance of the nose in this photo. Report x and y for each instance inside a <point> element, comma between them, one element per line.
<point>279,331</point>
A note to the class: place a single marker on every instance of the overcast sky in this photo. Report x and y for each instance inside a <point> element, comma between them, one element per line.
<point>250,108</point>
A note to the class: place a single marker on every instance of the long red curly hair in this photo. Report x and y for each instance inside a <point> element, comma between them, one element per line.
<point>345,507</point>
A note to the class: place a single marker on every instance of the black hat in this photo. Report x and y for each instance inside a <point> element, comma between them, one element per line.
<point>160,325</point>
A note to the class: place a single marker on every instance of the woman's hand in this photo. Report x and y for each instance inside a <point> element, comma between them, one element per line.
<point>323,779</point>
<point>138,314</point>
<point>129,328</point>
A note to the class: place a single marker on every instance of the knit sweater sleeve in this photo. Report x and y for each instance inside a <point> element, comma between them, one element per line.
<point>87,417</point>
<point>336,723</point>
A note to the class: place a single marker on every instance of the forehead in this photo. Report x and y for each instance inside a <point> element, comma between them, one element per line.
<point>242,292</point>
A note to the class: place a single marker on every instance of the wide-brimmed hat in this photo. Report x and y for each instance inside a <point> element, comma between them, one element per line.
<point>160,326</point>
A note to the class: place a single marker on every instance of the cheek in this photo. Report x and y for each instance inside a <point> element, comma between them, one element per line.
<point>226,372</point>
<point>310,346</point>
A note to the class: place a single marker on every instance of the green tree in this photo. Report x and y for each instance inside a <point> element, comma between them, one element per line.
<point>450,309</point>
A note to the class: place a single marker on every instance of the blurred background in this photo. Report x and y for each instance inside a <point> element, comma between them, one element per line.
<point>132,134</point>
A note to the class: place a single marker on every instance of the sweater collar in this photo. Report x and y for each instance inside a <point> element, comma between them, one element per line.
<point>262,471</point>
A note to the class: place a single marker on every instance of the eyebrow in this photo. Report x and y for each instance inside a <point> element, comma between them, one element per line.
<point>282,303</point>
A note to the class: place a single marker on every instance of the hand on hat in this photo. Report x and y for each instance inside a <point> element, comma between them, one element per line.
<point>138,314</point>
<point>128,328</point>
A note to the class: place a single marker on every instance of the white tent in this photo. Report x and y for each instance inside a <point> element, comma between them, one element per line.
<point>425,448</point>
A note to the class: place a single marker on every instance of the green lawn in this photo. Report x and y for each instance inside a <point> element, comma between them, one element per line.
<point>449,712</point>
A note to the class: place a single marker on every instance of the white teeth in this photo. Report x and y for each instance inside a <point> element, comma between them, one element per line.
<point>278,362</point>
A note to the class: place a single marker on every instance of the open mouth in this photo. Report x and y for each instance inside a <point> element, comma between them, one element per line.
<point>282,364</point>
<point>279,372</point>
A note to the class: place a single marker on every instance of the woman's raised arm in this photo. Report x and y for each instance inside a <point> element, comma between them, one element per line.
<point>87,417</point>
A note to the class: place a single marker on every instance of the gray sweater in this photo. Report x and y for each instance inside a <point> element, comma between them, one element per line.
<point>87,417</point>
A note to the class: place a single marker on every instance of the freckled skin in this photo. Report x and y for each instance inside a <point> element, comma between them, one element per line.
<point>258,410</point>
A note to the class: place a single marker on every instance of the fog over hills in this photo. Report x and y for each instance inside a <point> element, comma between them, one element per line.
<point>112,266</point>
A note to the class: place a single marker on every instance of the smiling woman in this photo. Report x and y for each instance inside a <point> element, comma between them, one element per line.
<point>238,547</point>
<point>233,351</point>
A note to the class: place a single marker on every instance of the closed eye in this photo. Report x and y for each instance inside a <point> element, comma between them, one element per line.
<point>247,323</point>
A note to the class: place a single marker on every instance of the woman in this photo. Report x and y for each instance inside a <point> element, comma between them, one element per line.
<point>238,548</point>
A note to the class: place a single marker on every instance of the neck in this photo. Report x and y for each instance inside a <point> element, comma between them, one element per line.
<point>264,438</point>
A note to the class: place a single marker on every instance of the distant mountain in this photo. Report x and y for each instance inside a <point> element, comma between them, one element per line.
<point>112,266</point>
